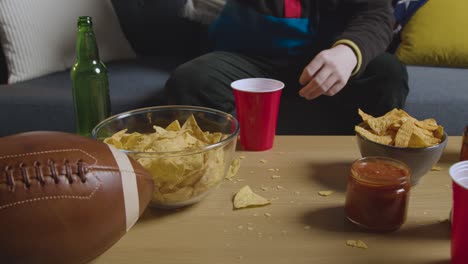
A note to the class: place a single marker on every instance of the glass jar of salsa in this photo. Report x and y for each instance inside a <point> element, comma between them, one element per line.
<point>378,193</point>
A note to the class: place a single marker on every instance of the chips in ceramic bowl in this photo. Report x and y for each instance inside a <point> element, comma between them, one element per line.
<point>187,150</point>
<point>398,135</point>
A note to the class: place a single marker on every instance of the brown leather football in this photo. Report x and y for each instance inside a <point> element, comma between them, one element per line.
<point>66,198</point>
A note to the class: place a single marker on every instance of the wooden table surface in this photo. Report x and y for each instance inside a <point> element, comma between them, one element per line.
<point>299,226</point>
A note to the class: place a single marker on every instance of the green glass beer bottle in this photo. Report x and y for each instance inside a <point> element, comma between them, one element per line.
<point>90,82</point>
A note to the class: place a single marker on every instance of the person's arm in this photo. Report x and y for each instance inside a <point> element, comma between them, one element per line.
<point>328,72</point>
<point>369,29</point>
<point>368,32</point>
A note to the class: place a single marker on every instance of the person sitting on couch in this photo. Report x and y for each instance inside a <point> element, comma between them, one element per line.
<point>330,55</point>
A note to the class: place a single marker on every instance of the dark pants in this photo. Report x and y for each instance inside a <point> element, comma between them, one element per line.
<point>205,81</point>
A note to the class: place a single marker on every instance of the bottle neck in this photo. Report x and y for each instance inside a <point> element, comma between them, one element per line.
<point>86,46</point>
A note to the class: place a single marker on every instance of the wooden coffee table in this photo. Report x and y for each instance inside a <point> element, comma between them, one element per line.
<point>299,226</point>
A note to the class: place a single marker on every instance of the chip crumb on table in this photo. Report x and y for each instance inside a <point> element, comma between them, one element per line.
<point>356,244</point>
<point>275,176</point>
<point>325,193</point>
<point>436,168</point>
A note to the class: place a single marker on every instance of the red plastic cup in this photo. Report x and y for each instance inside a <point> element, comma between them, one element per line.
<point>459,245</point>
<point>257,104</point>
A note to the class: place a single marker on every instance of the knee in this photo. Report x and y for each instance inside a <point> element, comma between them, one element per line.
<point>389,75</point>
<point>182,81</point>
<point>389,69</point>
<point>198,82</point>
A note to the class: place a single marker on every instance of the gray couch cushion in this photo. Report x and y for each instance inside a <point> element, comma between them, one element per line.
<point>46,103</point>
<point>441,93</point>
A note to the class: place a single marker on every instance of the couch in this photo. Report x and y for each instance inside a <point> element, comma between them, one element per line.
<point>45,103</point>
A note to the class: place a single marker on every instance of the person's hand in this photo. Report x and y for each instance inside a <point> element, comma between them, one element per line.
<point>328,72</point>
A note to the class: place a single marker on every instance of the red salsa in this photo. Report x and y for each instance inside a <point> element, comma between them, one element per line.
<point>378,193</point>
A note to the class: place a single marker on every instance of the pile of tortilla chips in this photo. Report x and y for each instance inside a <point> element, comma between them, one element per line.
<point>178,177</point>
<point>398,128</point>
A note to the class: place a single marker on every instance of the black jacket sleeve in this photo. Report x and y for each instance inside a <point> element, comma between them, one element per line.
<point>369,24</point>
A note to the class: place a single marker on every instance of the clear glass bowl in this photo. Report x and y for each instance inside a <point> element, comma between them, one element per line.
<point>182,177</point>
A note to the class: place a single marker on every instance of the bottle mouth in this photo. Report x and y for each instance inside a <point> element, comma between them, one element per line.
<point>85,21</point>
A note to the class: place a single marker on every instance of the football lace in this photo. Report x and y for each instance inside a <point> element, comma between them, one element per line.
<point>79,169</point>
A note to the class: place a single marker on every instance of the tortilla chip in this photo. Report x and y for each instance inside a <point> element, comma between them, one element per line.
<point>439,132</point>
<point>385,139</point>
<point>397,114</point>
<point>325,193</point>
<point>233,168</point>
<point>356,244</point>
<point>421,139</point>
<point>174,126</point>
<point>245,197</point>
<point>364,116</point>
<point>428,124</point>
<point>400,129</point>
<point>403,135</point>
<point>380,125</point>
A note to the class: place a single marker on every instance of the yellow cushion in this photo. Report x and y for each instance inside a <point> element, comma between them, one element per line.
<point>437,35</point>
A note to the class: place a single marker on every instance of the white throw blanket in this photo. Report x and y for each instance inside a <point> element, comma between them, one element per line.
<point>204,11</point>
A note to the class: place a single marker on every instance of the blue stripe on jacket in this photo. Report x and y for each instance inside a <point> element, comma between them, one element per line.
<point>242,29</point>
